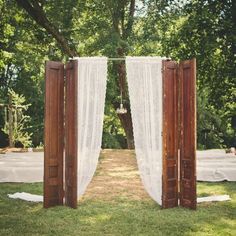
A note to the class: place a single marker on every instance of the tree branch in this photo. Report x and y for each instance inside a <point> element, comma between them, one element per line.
<point>36,12</point>
<point>130,22</point>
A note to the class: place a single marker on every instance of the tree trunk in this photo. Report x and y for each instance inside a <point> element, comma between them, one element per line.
<point>125,119</point>
<point>118,25</point>
<point>126,122</point>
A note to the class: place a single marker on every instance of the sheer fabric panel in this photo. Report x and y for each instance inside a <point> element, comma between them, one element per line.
<point>92,75</point>
<point>145,90</point>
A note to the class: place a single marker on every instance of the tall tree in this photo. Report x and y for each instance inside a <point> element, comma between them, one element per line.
<point>24,47</point>
<point>121,14</point>
<point>206,30</point>
<point>122,21</point>
<point>36,10</point>
<point>60,29</point>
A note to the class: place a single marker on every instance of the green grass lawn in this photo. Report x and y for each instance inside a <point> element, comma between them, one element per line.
<point>120,216</point>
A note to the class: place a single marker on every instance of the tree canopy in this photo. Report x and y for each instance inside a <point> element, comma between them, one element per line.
<point>34,31</point>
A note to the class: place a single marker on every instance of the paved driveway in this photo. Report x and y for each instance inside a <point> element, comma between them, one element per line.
<point>21,167</point>
<point>212,165</point>
<point>216,165</point>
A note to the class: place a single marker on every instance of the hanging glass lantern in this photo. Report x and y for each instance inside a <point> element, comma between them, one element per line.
<point>121,109</point>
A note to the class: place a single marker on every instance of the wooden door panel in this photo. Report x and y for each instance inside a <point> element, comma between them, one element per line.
<point>187,71</point>
<point>170,135</point>
<point>71,134</point>
<point>53,134</point>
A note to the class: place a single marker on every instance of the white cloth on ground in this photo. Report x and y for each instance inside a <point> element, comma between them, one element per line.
<point>26,196</point>
<point>38,198</point>
<point>216,198</point>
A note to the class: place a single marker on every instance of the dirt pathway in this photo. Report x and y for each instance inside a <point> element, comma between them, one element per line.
<point>116,176</point>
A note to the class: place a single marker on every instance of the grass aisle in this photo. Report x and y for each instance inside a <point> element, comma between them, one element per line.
<point>108,211</point>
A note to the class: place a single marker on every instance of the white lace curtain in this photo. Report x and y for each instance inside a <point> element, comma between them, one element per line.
<point>92,75</point>
<point>145,91</point>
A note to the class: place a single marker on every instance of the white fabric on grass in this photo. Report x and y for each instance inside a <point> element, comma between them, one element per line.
<point>26,196</point>
<point>145,91</point>
<point>38,198</point>
<point>92,75</point>
<point>216,198</point>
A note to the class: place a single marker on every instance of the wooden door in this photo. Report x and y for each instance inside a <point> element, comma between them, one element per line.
<point>187,73</point>
<point>170,135</point>
<point>53,134</point>
<point>71,134</point>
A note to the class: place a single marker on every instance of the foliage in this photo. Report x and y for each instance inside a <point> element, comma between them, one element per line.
<point>208,32</point>
<point>113,133</point>
<point>24,48</point>
<point>178,29</point>
<point>20,120</point>
<point>210,128</point>
<point>205,30</point>
<point>121,216</point>
<point>40,146</point>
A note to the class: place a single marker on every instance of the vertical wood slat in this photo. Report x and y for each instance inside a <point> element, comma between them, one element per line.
<point>187,71</point>
<point>53,134</point>
<point>170,135</point>
<point>71,134</point>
